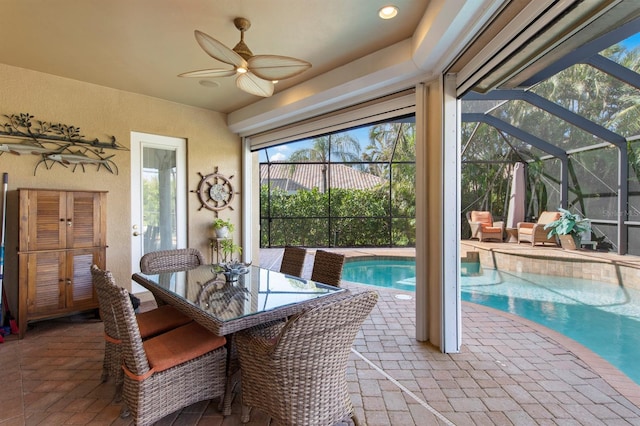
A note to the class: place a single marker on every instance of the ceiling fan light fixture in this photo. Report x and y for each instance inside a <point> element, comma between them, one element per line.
<point>241,70</point>
<point>388,12</point>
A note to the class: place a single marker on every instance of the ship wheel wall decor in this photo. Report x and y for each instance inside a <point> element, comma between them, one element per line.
<point>215,191</point>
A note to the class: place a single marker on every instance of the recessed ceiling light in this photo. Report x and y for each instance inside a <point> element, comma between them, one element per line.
<point>388,12</point>
<point>209,83</point>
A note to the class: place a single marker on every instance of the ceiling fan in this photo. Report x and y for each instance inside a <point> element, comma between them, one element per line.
<point>256,74</point>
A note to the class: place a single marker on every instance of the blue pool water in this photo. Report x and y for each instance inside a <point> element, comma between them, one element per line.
<point>399,273</point>
<point>603,317</point>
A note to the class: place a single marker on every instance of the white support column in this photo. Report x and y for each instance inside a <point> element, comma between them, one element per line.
<point>438,315</point>
<point>246,196</point>
<point>422,234</point>
<point>435,212</point>
<point>451,301</point>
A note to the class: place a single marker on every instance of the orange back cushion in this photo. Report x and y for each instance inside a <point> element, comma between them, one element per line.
<point>482,217</point>
<point>548,217</point>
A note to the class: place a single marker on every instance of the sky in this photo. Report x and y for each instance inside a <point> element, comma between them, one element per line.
<point>282,152</point>
<point>631,42</point>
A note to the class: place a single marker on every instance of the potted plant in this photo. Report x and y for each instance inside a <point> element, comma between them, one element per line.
<point>228,248</point>
<point>568,228</point>
<point>222,227</point>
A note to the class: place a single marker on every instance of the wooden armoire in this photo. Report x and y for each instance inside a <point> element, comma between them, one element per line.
<point>53,238</point>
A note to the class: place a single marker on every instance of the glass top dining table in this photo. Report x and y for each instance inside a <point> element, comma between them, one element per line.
<point>255,298</point>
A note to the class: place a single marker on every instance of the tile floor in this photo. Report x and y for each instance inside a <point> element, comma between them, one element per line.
<point>510,372</point>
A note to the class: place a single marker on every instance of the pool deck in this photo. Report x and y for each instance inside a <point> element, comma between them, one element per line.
<point>525,349</point>
<point>510,371</point>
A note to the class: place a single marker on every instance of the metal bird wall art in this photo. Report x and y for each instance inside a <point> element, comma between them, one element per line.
<point>55,144</point>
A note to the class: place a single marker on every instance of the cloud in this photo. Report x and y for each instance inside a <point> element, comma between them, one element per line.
<point>278,157</point>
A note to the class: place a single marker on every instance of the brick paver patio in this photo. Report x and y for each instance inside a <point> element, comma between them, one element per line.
<point>510,371</point>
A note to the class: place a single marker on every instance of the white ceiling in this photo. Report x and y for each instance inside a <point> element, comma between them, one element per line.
<point>142,45</point>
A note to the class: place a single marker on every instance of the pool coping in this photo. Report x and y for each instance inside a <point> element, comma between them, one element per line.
<point>377,257</point>
<point>607,371</point>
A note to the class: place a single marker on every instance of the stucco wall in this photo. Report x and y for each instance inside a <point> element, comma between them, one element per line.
<point>101,112</point>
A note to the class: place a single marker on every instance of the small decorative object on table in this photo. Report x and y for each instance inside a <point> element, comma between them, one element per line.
<point>232,270</point>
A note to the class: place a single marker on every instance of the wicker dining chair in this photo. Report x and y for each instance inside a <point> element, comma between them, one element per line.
<point>295,372</point>
<point>170,371</point>
<point>293,260</point>
<point>327,267</point>
<point>158,262</point>
<point>150,323</point>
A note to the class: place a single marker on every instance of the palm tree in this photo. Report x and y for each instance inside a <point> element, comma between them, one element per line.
<point>391,150</point>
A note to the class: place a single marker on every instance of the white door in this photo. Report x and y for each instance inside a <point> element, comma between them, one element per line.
<point>158,195</point>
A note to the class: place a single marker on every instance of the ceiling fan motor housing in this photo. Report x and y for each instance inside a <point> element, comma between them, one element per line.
<point>241,48</point>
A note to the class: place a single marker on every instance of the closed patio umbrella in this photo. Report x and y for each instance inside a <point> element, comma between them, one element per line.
<point>515,212</point>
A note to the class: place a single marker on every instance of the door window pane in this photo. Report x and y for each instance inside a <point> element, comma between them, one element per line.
<point>159,199</point>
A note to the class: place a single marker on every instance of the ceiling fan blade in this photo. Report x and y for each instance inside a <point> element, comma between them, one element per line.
<point>274,67</point>
<point>216,72</point>
<point>254,85</point>
<point>219,51</point>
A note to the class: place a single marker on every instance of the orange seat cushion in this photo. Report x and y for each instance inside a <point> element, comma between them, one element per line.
<point>490,229</point>
<point>156,321</point>
<point>525,231</point>
<point>180,345</point>
<point>482,217</point>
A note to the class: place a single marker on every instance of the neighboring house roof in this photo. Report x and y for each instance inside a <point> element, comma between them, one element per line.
<point>291,178</point>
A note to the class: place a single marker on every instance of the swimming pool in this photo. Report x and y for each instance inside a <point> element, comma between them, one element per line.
<point>398,273</point>
<point>603,317</point>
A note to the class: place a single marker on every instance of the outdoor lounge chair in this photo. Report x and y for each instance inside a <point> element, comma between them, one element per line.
<point>296,371</point>
<point>535,232</point>
<point>483,227</point>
